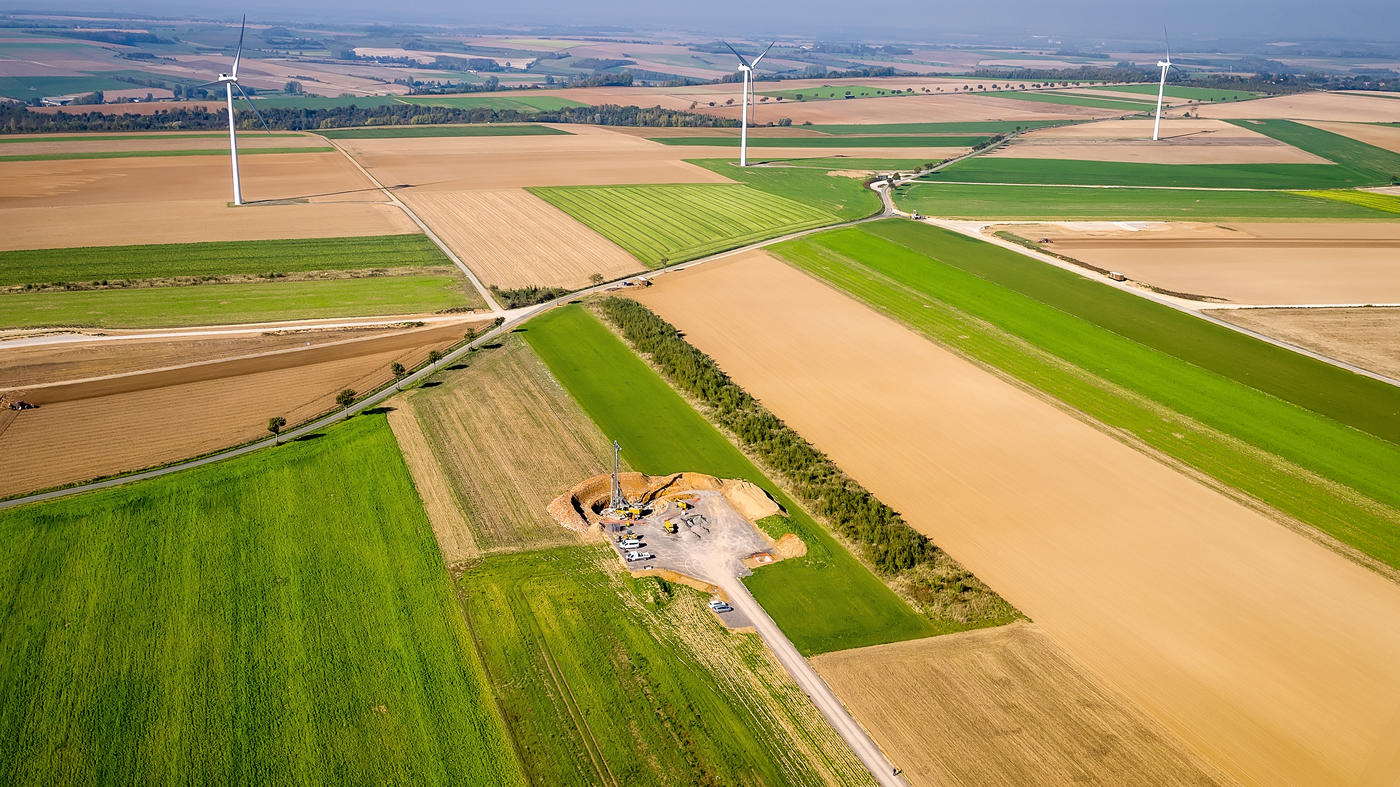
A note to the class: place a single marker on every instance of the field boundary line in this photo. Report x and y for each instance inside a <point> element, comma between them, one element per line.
<point>394,199</point>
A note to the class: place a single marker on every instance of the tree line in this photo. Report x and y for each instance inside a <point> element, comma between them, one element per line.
<point>889,542</point>
<point>17,119</point>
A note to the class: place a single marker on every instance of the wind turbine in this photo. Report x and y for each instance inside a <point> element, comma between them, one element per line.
<point>230,81</point>
<point>1165,65</point>
<point>747,68</point>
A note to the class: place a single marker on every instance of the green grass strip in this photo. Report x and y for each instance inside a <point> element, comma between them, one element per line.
<point>1220,401</point>
<point>281,618</point>
<point>1377,165</point>
<point>1070,100</point>
<point>824,601</point>
<point>990,169</point>
<point>94,154</point>
<point>482,130</point>
<point>1180,91</point>
<point>1036,203</point>
<point>826,142</point>
<point>218,258</point>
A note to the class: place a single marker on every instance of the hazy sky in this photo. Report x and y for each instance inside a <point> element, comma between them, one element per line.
<point>1205,19</point>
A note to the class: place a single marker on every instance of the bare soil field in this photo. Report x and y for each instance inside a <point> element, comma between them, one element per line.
<point>1387,137</point>
<point>1369,338</point>
<point>1264,651</point>
<point>914,109</point>
<point>1290,263</point>
<point>155,142</point>
<point>1182,142</point>
<point>1002,706</point>
<point>100,202</point>
<point>511,238</point>
<point>86,430</point>
<point>43,364</point>
<point>508,439</point>
<point>1308,106</point>
<point>588,156</point>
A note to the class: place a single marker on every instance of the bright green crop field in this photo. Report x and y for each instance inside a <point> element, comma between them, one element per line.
<point>278,618</point>
<point>90,263</point>
<point>660,224</point>
<point>1378,165</point>
<point>843,197</point>
<point>824,601</point>
<point>521,102</point>
<point>1180,91</point>
<point>971,127</point>
<point>827,93</point>
<point>827,142</point>
<point>96,154</point>
<point>1035,203</point>
<point>220,304</point>
<point>583,667</point>
<point>1071,100</point>
<point>473,130</point>
<point>984,169</point>
<point>325,102</point>
<point>1313,440</point>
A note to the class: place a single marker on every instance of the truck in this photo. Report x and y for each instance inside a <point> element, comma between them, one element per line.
<point>633,557</point>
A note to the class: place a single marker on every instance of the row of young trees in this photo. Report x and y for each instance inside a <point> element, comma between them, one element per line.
<point>17,119</point>
<point>890,543</point>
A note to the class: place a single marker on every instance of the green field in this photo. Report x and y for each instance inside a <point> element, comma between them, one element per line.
<point>1182,91</point>
<point>586,667</point>
<point>144,135</point>
<point>826,142</point>
<point>1313,440</point>
<point>94,154</point>
<point>1389,203</point>
<point>971,127</point>
<point>1036,203</point>
<point>481,130</point>
<point>1378,165</point>
<point>32,87</point>
<point>520,101</point>
<point>220,304</point>
<point>829,163</point>
<point>1071,99</point>
<point>669,223</point>
<point>222,258</point>
<point>1030,171</point>
<point>845,198</point>
<point>279,618</point>
<point>827,92</point>
<point>324,102</point>
<point>824,601</point>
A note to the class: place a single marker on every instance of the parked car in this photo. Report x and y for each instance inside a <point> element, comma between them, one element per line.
<point>634,556</point>
<point>630,543</point>
<point>720,606</point>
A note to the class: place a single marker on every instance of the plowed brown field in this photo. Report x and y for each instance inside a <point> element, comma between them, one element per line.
<point>145,142</point>
<point>90,429</point>
<point>1308,106</point>
<point>589,155</point>
<point>1002,706</point>
<point>1369,338</point>
<point>1292,263</point>
<point>1263,650</point>
<point>511,238</point>
<point>100,202</point>
<point>1387,137</point>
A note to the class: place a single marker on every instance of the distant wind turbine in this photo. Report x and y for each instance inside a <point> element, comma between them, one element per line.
<point>1166,66</point>
<point>747,68</point>
<point>230,81</point>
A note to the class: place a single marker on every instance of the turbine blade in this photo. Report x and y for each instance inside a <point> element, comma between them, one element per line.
<point>754,64</point>
<point>1168,43</point>
<point>266,127</point>
<point>206,84</point>
<point>239,52</point>
<point>736,53</point>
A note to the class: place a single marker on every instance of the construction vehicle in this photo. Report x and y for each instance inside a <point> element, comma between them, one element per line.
<point>684,505</point>
<point>670,527</point>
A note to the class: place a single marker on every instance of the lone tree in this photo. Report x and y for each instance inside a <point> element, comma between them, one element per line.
<point>397,369</point>
<point>595,279</point>
<point>434,356</point>
<point>498,322</point>
<point>345,398</point>
<point>470,335</point>
<point>275,424</point>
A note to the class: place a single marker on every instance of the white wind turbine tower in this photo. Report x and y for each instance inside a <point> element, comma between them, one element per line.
<point>747,68</point>
<point>1166,66</point>
<point>230,81</point>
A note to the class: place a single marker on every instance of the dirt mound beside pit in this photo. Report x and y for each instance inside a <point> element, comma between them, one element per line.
<point>578,508</point>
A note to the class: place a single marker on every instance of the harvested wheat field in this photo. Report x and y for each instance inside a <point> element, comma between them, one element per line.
<point>589,155</point>
<point>89,429</point>
<point>913,109</point>
<point>1002,706</point>
<point>75,143</point>
<point>1269,654</point>
<point>507,439</point>
<point>1308,106</point>
<point>511,238</point>
<point>1387,137</point>
<point>1368,338</point>
<point>112,202</point>
<point>1288,263</point>
<point>1182,142</point>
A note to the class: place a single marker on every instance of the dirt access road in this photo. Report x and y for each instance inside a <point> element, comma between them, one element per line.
<point>1269,654</point>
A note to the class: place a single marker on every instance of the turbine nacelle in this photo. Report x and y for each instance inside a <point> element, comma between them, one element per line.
<point>1164,64</point>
